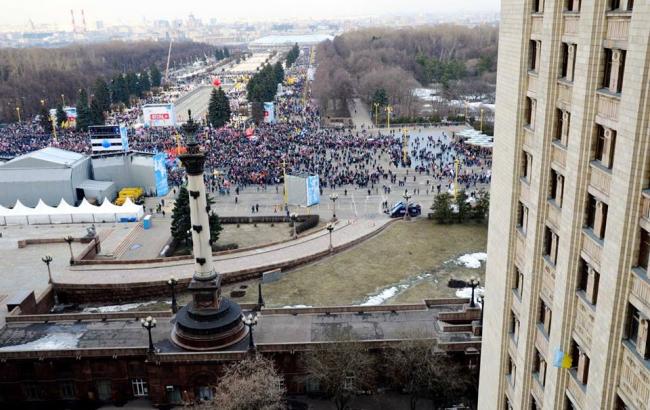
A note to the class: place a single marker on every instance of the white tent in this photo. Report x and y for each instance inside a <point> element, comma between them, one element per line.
<point>64,213</point>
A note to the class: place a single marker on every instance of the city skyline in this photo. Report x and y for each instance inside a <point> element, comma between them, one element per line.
<point>254,10</point>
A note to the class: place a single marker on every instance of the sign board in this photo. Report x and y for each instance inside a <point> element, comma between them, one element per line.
<point>159,115</point>
<point>269,113</point>
<point>108,138</point>
<point>303,190</point>
<point>160,174</point>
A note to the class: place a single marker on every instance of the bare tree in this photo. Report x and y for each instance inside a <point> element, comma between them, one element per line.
<point>416,368</point>
<point>342,369</point>
<point>252,383</point>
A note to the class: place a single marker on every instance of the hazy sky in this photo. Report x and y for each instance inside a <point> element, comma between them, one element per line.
<point>18,12</point>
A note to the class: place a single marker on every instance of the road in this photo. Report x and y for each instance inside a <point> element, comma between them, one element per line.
<point>196,100</point>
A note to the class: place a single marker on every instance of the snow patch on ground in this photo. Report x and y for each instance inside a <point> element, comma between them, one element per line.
<point>394,290</point>
<point>296,306</point>
<point>116,308</point>
<point>472,260</point>
<point>54,341</point>
<point>466,293</point>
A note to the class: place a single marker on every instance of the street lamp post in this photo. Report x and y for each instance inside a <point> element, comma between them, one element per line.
<point>172,282</point>
<point>389,111</point>
<point>260,298</point>
<point>333,197</point>
<point>69,239</point>
<point>294,219</point>
<point>406,197</point>
<point>376,105</point>
<point>250,321</point>
<point>330,228</point>
<point>473,283</point>
<point>149,323</point>
<point>47,260</point>
<point>482,299</point>
<point>18,112</point>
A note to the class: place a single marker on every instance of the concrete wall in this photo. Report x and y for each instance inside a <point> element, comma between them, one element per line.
<point>126,171</point>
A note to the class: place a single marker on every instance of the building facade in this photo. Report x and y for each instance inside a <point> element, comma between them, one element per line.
<point>567,271</point>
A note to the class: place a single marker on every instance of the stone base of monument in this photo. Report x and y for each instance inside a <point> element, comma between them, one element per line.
<point>209,329</point>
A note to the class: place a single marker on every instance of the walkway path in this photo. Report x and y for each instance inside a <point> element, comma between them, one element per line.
<point>345,232</point>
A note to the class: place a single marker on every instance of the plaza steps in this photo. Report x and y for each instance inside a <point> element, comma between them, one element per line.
<point>127,241</point>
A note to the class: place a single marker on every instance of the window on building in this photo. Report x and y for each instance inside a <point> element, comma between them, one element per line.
<point>526,165</point>
<point>596,216</point>
<point>605,145</point>
<point>550,245</point>
<point>620,404</point>
<point>514,327</point>
<point>636,331</point>
<point>349,382</point>
<point>544,317</point>
<point>67,390</point>
<point>559,122</point>
<point>630,5</point>
<point>537,6</point>
<point>539,367</point>
<point>607,71</point>
<point>572,5</point>
<point>614,4</point>
<point>522,218</point>
<point>632,328</point>
<point>140,387</point>
<point>644,250</point>
<point>33,391</point>
<point>568,404</point>
<point>579,362</point>
<point>564,60</point>
<point>556,193</point>
<point>621,71</point>
<point>532,56</point>
<point>173,394</point>
<point>528,112</point>
<point>588,281</point>
<point>518,282</point>
<point>511,370</point>
<point>104,390</point>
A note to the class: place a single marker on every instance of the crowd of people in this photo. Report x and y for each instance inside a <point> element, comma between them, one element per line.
<point>241,156</point>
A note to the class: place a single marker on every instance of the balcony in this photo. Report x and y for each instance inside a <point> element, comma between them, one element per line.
<point>529,138</point>
<point>537,26</point>
<point>592,247</point>
<point>600,178</point>
<point>640,295</point>
<point>553,214</point>
<point>532,83</point>
<point>576,390</point>
<point>607,107</point>
<point>618,27</point>
<point>571,25</point>
<point>548,281</point>
<point>585,316</point>
<point>558,154</point>
<point>564,93</point>
<point>520,249</point>
<point>634,379</point>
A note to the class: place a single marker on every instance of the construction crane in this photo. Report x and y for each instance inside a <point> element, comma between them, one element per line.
<point>169,54</point>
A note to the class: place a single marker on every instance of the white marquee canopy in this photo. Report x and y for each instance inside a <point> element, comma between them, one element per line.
<point>65,213</point>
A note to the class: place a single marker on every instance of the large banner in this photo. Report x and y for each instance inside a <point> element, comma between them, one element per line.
<point>159,115</point>
<point>269,113</point>
<point>313,190</point>
<point>160,174</point>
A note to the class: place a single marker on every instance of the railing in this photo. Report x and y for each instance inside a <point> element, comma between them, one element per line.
<point>607,105</point>
<point>584,321</point>
<point>532,82</point>
<point>537,25</point>
<point>558,154</point>
<point>618,28</point>
<point>600,178</point>
<point>634,380</point>
<point>564,93</point>
<point>576,391</point>
<point>553,215</point>
<point>592,248</point>
<point>529,137</point>
<point>641,289</point>
<point>571,23</point>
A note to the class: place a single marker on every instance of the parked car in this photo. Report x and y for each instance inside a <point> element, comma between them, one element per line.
<point>399,209</point>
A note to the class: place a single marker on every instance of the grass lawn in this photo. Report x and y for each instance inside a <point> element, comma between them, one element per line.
<point>398,256</point>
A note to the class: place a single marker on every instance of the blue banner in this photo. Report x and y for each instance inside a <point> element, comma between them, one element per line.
<point>125,138</point>
<point>313,190</point>
<point>160,174</point>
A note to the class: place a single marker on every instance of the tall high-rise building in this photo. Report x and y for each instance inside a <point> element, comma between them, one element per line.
<point>568,291</point>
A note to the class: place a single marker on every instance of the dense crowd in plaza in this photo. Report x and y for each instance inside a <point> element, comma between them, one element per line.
<point>241,157</point>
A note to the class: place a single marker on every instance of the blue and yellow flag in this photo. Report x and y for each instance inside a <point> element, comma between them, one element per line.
<point>562,360</point>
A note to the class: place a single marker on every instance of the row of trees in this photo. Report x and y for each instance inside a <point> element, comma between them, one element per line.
<point>123,89</point>
<point>398,60</point>
<point>221,53</point>
<point>346,369</point>
<point>263,86</point>
<point>293,55</point>
<point>447,209</point>
<point>29,75</point>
